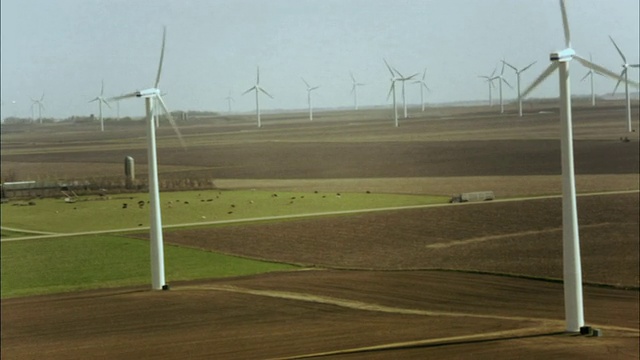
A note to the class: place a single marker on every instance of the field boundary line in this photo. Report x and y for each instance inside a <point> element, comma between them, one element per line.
<point>304,215</point>
<point>28,231</point>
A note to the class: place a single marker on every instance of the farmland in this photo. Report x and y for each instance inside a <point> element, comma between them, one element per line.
<point>477,280</point>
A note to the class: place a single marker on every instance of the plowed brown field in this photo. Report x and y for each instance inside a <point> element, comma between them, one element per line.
<point>372,292</point>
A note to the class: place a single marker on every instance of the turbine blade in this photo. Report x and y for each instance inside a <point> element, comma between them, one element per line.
<point>617,84</point>
<point>42,97</point>
<point>565,24</point>
<point>389,67</point>
<point>502,71</point>
<point>619,51</point>
<point>509,65</point>
<point>390,90</point>
<point>493,72</point>
<point>250,89</point>
<point>313,88</point>
<point>96,99</point>
<point>306,83</point>
<point>548,71</point>
<point>125,96</point>
<point>102,88</point>
<point>634,65</point>
<point>258,75</point>
<point>265,92</point>
<point>352,78</point>
<point>171,121</point>
<point>586,75</point>
<point>506,82</point>
<point>528,66</point>
<point>105,102</point>
<point>164,36</point>
<point>424,74</point>
<point>601,69</point>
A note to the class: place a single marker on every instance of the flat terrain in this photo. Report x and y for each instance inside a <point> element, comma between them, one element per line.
<point>460,281</point>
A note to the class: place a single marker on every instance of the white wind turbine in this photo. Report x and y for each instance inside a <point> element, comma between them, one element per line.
<point>501,79</point>
<point>423,85</point>
<point>590,74</point>
<point>625,67</point>
<point>489,79</point>
<point>153,99</point>
<point>354,90</point>
<point>258,89</point>
<point>229,100</point>
<point>100,99</point>
<point>404,79</point>
<point>572,269</point>
<point>38,103</point>
<point>309,90</point>
<point>392,89</point>
<point>518,72</point>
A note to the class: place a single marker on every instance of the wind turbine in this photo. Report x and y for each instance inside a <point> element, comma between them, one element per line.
<point>590,74</point>
<point>501,79</point>
<point>40,105</point>
<point>309,90</point>
<point>392,89</point>
<point>258,89</point>
<point>489,80</point>
<point>423,85</point>
<point>625,67</point>
<point>572,270</point>
<point>100,99</point>
<point>518,72</point>
<point>229,100</point>
<point>354,90</point>
<point>404,79</point>
<point>153,99</point>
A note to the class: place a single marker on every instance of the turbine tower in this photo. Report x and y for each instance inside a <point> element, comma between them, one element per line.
<point>392,89</point>
<point>489,79</point>
<point>153,99</point>
<point>423,85</point>
<point>501,79</point>
<point>229,100</point>
<point>100,99</point>
<point>40,105</point>
<point>625,67</point>
<point>590,74</point>
<point>354,90</point>
<point>572,269</point>
<point>518,72</point>
<point>309,90</point>
<point>258,89</point>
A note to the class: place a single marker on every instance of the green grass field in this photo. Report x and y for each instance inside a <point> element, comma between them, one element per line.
<point>66,264</point>
<point>91,262</point>
<point>93,213</point>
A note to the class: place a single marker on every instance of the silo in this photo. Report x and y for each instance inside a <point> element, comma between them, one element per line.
<point>129,171</point>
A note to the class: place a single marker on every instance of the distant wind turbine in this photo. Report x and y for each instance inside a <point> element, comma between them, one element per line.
<point>572,269</point>
<point>590,74</point>
<point>392,91</point>
<point>423,85</point>
<point>404,79</point>
<point>153,99</point>
<point>501,79</point>
<point>40,105</point>
<point>257,88</point>
<point>518,72</point>
<point>625,67</point>
<point>354,90</point>
<point>309,90</point>
<point>100,99</point>
<point>489,79</point>
<point>229,100</point>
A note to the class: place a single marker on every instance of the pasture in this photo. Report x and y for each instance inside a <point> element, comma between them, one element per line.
<point>477,280</point>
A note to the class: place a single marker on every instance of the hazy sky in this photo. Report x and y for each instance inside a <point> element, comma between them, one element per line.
<point>66,47</point>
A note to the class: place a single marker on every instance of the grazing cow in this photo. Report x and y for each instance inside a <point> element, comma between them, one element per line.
<point>124,206</point>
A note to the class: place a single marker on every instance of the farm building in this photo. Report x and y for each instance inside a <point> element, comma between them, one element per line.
<point>31,189</point>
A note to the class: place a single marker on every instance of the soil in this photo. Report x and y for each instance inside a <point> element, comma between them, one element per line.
<point>471,281</point>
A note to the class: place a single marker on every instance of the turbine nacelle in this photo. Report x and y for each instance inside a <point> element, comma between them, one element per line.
<point>563,55</point>
<point>148,93</point>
